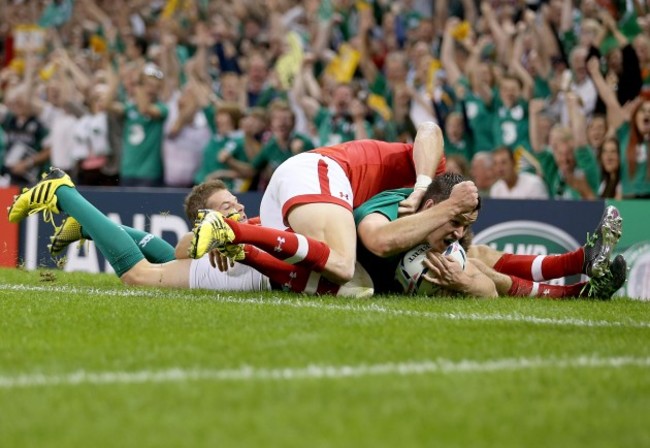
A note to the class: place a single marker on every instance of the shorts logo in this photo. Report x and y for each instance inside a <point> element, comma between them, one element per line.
<point>346,196</point>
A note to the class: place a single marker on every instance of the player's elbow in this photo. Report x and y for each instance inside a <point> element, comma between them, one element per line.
<point>383,247</point>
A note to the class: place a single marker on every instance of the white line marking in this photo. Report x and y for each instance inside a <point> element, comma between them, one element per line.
<point>248,373</point>
<point>369,307</point>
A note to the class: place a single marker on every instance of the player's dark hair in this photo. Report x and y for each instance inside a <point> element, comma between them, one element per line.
<point>197,198</point>
<point>440,188</point>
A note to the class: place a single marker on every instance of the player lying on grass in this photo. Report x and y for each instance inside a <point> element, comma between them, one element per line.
<point>445,216</point>
<point>140,258</point>
<point>512,275</point>
<point>314,193</point>
<point>138,264</point>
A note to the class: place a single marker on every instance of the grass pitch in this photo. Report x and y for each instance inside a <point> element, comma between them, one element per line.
<point>85,361</point>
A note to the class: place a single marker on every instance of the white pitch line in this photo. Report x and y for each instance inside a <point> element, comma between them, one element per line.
<point>370,307</point>
<point>248,373</point>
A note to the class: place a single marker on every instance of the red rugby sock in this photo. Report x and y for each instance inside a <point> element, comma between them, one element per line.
<point>289,247</point>
<point>541,267</point>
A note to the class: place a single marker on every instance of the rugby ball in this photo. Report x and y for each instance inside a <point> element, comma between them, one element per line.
<point>410,270</point>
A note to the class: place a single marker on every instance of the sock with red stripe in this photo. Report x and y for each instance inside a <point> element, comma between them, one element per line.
<point>541,267</point>
<point>288,276</point>
<point>528,288</point>
<point>289,247</point>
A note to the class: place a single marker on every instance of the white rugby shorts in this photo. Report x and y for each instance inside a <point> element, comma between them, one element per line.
<point>238,278</point>
<point>304,179</point>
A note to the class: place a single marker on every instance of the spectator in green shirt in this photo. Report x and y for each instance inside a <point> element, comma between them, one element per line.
<point>457,140</point>
<point>631,124</point>
<point>226,140</point>
<point>338,115</point>
<point>472,85</point>
<point>569,166</point>
<point>144,114</point>
<point>284,143</point>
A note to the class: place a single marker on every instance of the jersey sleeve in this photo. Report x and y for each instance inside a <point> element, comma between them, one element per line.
<point>385,203</point>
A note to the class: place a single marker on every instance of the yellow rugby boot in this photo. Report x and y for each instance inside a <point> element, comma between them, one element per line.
<point>40,197</point>
<point>67,233</point>
<point>212,232</point>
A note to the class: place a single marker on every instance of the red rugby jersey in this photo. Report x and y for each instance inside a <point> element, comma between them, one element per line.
<point>374,166</point>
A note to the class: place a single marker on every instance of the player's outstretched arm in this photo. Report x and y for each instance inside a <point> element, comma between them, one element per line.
<point>428,150</point>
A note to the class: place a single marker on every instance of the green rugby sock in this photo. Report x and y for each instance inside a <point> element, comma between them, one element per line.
<point>154,249</point>
<point>110,238</point>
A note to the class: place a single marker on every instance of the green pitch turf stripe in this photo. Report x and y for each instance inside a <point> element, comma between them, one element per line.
<point>318,371</point>
<point>353,307</point>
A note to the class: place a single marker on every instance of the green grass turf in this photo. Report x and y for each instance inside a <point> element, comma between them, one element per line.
<point>505,372</point>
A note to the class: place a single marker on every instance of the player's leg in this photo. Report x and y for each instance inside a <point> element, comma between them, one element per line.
<point>287,276</point>
<point>334,225</point>
<point>155,249</point>
<point>599,288</point>
<point>300,195</point>
<point>532,267</point>
<point>174,274</point>
<point>320,222</point>
<point>300,279</point>
<point>512,286</point>
<point>230,237</point>
<point>591,259</point>
<point>312,195</point>
<point>56,192</point>
<point>195,274</point>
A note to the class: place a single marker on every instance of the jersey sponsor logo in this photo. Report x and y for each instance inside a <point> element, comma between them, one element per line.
<point>529,238</point>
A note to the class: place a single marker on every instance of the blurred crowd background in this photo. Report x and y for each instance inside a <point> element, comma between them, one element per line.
<point>537,99</point>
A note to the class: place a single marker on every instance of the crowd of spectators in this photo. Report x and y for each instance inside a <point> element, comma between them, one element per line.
<point>547,99</point>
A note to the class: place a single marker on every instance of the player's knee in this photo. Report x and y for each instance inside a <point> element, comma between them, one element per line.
<point>134,277</point>
<point>130,278</point>
<point>344,272</point>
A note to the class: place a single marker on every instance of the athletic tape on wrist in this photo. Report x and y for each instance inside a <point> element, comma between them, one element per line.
<point>422,182</point>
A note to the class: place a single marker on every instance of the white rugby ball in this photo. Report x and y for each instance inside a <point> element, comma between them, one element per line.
<point>410,270</point>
